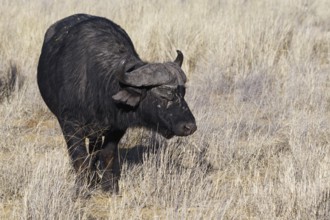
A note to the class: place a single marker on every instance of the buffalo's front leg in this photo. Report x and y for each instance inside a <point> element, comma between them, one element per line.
<point>75,138</point>
<point>108,162</point>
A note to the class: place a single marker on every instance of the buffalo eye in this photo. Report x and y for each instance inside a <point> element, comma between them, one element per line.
<point>169,103</point>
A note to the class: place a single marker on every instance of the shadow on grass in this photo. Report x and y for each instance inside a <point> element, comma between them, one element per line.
<point>136,154</point>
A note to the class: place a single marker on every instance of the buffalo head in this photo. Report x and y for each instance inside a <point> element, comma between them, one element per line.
<point>158,91</point>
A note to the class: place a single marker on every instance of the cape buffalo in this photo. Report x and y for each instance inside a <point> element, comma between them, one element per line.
<point>94,82</point>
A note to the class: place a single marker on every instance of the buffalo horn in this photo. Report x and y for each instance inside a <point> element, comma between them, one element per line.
<point>148,75</point>
<point>179,58</point>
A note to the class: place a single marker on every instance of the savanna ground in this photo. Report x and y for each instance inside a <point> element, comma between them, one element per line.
<point>259,86</point>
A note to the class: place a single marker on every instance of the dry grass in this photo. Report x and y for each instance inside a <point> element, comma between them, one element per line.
<point>259,86</point>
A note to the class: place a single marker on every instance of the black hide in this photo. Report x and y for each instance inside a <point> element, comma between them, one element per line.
<point>94,82</point>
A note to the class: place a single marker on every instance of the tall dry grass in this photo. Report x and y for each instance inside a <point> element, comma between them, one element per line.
<point>259,86</point>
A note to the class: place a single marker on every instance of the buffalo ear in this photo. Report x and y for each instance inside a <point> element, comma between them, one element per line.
<point>179,59</point>
<point>127,97</point>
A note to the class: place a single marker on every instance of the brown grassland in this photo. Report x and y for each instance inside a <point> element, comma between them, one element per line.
<point>259,87</point>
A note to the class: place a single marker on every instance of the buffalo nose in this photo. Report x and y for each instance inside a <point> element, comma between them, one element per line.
<point>189,128</point>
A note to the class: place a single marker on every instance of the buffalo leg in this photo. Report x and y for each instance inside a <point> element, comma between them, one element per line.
<point>108,162</point>
<point>75,139</point>
<point>94,146</point>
